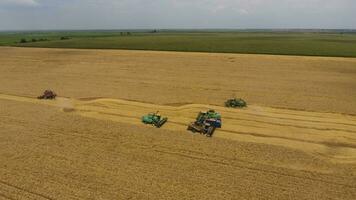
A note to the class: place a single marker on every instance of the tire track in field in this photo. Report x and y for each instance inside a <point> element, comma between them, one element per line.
<point>296,126</point>
<point>252,133</point>
<point>196,155</point>
<point>236,163</point>
<point>13,189</point>
<point>6,197</point>
<point>312,132</point>
<point>319,139</point>
<point>251,166</point>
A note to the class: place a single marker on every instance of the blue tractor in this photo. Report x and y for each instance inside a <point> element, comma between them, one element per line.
<point>206,123</point>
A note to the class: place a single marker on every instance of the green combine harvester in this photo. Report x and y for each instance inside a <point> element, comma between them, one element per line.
<point>235,103</point>
<point>206,123</point>
<point>154,119</point>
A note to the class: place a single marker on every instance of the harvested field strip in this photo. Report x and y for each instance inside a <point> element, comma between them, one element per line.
<point>323,132</point>
<point>231,162</point>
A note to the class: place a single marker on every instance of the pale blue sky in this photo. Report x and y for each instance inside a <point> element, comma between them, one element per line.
<point>147,14</point>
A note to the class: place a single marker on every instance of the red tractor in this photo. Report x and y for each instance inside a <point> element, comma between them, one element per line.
<point>48,94</point>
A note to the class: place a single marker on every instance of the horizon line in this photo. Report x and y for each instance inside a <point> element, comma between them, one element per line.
<point>193,29</point>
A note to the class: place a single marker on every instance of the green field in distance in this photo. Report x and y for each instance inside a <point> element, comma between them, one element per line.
<point>278,43</point>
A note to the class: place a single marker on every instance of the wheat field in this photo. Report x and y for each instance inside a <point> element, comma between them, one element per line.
<point>295,140</point>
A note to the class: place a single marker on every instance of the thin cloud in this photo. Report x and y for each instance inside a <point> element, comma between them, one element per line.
<point>20,2</point>
<point>127,14</point>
